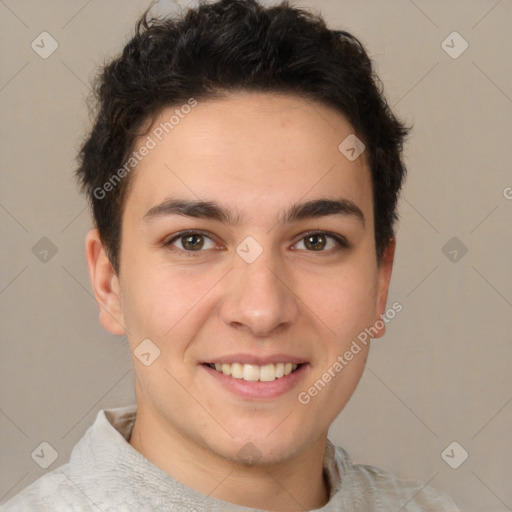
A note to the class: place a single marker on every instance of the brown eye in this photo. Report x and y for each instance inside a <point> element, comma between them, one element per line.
<point>192,242</point>
<point>315,242</point>
<point>323,242</point>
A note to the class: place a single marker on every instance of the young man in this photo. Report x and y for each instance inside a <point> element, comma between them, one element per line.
<point>243,172</point>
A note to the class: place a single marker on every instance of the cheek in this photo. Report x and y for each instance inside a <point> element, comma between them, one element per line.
<point>344,301</point>
<point>158,299</point>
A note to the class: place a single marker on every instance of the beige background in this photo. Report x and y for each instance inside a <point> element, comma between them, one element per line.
<point>442,372</point>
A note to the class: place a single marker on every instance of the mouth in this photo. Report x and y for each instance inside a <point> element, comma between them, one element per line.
<point>256,382</point>
<point>254,372</point>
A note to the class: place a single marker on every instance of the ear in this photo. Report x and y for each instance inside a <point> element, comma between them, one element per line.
<point>383,280</point>
<point>105,283</point>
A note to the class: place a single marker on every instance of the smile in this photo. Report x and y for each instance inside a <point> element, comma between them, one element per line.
<point>253,372</point>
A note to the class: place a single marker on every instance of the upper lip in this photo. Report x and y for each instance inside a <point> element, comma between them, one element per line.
<point>256,360</point>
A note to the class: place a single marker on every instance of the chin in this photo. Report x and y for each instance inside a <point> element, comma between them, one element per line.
<point>258,448</point>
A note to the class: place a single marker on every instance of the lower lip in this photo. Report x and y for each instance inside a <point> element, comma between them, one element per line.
<point>258,390</point>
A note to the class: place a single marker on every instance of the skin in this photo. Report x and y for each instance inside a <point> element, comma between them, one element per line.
<point>256,154</point>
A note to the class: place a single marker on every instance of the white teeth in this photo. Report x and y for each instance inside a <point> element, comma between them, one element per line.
<point>237,371</point>
<point>253,372</point>
<point>267,373</point>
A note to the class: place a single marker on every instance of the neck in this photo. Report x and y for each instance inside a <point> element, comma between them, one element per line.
<point>295,484</point>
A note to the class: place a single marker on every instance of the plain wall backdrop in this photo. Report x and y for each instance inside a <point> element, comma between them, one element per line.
<point>441,373</point>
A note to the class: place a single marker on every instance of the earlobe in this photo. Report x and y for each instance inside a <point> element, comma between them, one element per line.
<point>384,277</point>
<point>105,284</point>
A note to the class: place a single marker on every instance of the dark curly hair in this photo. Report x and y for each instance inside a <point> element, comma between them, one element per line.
<point>228,46</point>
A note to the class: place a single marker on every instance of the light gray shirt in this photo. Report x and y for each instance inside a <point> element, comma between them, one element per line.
<point>106,473</point>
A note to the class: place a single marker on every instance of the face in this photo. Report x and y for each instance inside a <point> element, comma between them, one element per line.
<point>247,251</point>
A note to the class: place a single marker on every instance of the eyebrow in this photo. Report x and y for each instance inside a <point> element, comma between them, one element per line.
<point>212,210</point>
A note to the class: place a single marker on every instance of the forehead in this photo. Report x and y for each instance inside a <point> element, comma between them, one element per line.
<point>254,151</point>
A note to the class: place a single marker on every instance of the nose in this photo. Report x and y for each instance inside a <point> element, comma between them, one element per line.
<point>259,297</point>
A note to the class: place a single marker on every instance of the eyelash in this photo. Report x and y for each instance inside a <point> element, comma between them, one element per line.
<point>342,241</point>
